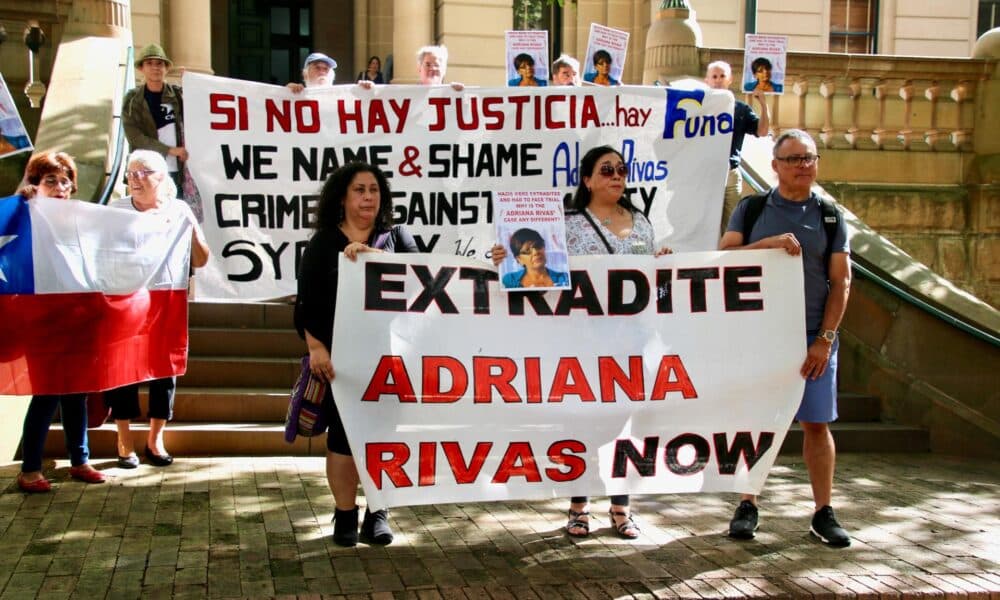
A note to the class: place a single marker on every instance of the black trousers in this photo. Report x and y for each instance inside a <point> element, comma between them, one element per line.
<point>124,401</point>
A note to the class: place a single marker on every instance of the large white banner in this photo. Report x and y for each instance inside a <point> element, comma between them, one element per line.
<point>260,154</point>
<point>651,375</point>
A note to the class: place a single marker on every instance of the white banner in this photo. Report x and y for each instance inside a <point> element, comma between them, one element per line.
<point>651,375</point>
<point>260,154</point>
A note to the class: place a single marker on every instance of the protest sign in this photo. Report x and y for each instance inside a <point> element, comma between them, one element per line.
<point>527,58</point>
<point>260,154</point>
<point>13,136</point>
<point>646,377</point>
<point>604,62</point>
<point>764,60</point>
<point>531,226</point>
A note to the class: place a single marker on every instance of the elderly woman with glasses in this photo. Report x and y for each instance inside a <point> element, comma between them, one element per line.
<point>152,189</point>
<point>53,175</point>
<point>600,220</point>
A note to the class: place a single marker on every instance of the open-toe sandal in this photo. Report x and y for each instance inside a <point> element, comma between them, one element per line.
<point>627,529</point>
<point>576,522</point>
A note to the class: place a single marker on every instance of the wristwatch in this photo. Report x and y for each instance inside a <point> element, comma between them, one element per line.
<point>828,335</point>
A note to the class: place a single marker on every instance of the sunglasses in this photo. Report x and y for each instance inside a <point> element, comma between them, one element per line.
<point>140,174</point>
<point>55,181</point>
<point>609,170</point>
<point>531,248</point>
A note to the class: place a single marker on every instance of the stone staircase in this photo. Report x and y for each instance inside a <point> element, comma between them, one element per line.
<point>245,357</point>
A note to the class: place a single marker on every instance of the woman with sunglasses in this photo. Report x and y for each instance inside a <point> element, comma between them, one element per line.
<point>53,175</point>
<point>152,189</point>
<point>602,221</point>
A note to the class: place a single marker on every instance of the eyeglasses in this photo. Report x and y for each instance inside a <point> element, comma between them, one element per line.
<point>799,160</point>
<point>530,249</point>
<point>609,170</point>
<point>140,174</point>
<point>55,181</point>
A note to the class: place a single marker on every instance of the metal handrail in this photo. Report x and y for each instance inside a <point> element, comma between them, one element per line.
<point>115,168</point>
<point>872,273</point>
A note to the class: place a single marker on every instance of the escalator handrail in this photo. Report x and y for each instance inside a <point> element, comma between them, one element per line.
<point>873,273</point>
<point>115,168</point>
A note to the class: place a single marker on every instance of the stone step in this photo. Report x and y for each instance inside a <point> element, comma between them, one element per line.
<point>261,315</point>
<point>224,341</point>
<point>866,437</point>
<point>858,408</point>
<point>220,405</point>
<point>240,372</point>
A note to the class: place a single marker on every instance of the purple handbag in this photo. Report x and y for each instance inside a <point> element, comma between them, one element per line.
<point>306,415</point>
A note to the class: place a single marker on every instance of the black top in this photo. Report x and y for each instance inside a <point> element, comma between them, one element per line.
<point>163,114</point>
<point>745,121</point>
<point>316,302</point>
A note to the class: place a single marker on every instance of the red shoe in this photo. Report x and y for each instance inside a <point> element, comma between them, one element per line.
<point>33,487</point>
<point>87,474</point>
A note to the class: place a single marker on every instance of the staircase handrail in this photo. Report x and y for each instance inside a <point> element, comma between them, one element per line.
<point>115,168</point>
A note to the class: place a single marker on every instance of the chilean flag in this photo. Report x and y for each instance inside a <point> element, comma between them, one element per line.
<point>91,297</point>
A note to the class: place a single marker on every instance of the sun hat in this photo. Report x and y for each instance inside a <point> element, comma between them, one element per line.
<point>152,51</point>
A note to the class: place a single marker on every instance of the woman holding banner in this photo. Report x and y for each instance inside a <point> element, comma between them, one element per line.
<point>600,220</point>
<point>355,216</point>
<point>152,189</point>
<point>53,175</point>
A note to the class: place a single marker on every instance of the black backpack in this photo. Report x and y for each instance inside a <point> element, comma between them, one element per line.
<point>831,221</point>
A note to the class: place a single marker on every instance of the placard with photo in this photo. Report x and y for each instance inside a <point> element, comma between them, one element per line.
<point>604,62</point>
<point>764,63</point>
<point>527,58</point>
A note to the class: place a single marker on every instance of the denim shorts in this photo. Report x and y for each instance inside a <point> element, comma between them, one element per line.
<point>819,400</point>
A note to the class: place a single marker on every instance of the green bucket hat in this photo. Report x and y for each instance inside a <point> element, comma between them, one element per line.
<point>152,51</point>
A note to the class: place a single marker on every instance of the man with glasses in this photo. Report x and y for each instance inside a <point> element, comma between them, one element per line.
<point>794,218</point>
<point>153,112</point>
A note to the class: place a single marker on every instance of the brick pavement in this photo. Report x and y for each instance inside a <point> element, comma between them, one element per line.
<point>923,526</point>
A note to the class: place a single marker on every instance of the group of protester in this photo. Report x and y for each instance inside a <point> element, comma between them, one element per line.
<point>355,216</point>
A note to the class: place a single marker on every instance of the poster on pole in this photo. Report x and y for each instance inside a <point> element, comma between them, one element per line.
<point>604,62</point>
<point>531,227</point>
<point>13,135</point>
<point>764,62</point>
<point>527,58</point>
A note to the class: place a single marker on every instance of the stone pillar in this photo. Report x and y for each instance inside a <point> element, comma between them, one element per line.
<point>190,37</point>
<point>360,36</point>
<point>413,27</point>
<point>672,44</point>
<point>88,65</point>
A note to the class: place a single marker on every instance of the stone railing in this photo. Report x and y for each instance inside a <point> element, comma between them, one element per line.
<point>870,102</point>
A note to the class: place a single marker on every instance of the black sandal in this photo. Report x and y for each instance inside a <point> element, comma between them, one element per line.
<point>627,529</point>
<point>575,522</point>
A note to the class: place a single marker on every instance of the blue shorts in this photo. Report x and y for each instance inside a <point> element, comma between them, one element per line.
<point>819,400</point>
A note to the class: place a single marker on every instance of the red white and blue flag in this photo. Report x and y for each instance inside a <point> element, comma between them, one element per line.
<point>91,297</point>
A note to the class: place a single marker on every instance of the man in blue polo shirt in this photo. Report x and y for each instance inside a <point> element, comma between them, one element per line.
<point>793,218</point>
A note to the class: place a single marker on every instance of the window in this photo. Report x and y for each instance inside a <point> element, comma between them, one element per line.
<point>989,16</point>
<point>853,26</point>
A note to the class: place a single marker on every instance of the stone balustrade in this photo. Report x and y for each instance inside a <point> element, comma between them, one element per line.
<point>869,102</point>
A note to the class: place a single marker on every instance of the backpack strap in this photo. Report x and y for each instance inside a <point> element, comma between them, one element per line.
<point>831,223</point>
<point>755,206</point>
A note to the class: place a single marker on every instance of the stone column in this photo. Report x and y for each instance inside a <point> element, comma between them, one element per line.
<point>360,36</point>
<point>413,27</point>
<point>672,44</point>
<point>190,36</point>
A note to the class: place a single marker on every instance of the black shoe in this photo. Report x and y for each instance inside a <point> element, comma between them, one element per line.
<point>375,528</point>
<point>345,527</point>
<point>744,522</point>
<point>158,460</point>
<point>826,528</point>
<point>128,462</point>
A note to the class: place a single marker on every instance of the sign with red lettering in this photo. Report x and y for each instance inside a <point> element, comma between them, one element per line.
<point>260,154</point>
<point>648,375</point>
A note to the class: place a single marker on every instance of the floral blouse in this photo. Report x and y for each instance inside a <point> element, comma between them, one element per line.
<point>582,239</point>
